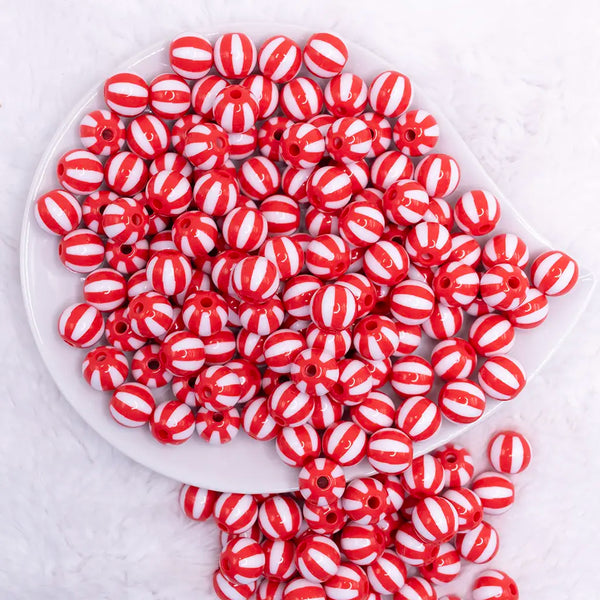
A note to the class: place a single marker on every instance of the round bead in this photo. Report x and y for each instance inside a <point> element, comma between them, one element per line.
<point>375,412</point>
<point>453,358</point>
<point>554,273</point>
<point>390,94</point>
<point>264,318</point>
<point>345,95</point>
<point>505,248</point>
<point>458,465</point>
<point>80,172</point>
<point>461,401</point>
<point>197,503</point>
<point>204,313</point>
<point>301,99</point>
<point>503,287</point>
<point>235,109</point>
<point>465,250</point>
<point>509,452</point>
<point>361,224</point>
<point>216,193</point>
<point>491,335</point>
<point>218,388</point>
<point>170,96</point>
<point>234,55</point>
<point>81,251</point>
<point>345,443</point>
<point>435,519</point>
<point>242,560</point>
<point>445,567</point>
<point>281,348</point>
<point>468,507</point>
<point>439,174</point>
<point>317,558</point>
<point>416,588</point>
<point>289,406</point>
<point>302,589</point>
<point>419,418</point>
<point>325,55</point>
<point>126,94</point>
<point>349,583</point>
<point>333,307</point>
<point>444,322</point>
<point>326,412</point>
<point>318,222</point>
<point>456,284</point>
<point>285,253</point>
<point>125,221</point>
<point>314,371</point>
<point>279,518</point>
<point>496,492</point>
<point>365,500</point>
<point>80,325</point>
<point>259,178</point>
<point>387,574</point>
<point>119,334</point>
<point>204,93</point>
<point>217,427</point>
<point>410,339</point>
<point>361,544</point>
<point>327,519</point>
<point>245,229</point>
<point>169,272</point>
<point>169,193</point>
<point>182,353</point>
<point>147,367</point>
<point>293,183</point>
<point>348,140</point>
<point>257,422</point>
<point>321,482</point>
<point>296,445</point>
<point>235,513</point>
<point>386,263</point>
<point>389,451</point>
<point>102,132</point>
<point>302,146</point>
<point>390,167</point>
<point>502,377</point>
<point>125,173</point>
<point>416,132</point>
<point>279,560</point>
<point>279,59</point>
<point>381,133</point>
<point>424,477</point>
<point>270,589</point>
<point>190,55</point>
<point>282,215</point>
<point>354,382</point>
<point>428,244</point>
<point>405,202</point>
<point>494,585</point>
<point>412,376</point>
<point>194,233</point>
<point>206,147</point>
<point>148,136</point>
<point>131,405</point>
<point>336,343</point>
<point>172,423</point>
<point>412,302</point>
<point>479,545</point>
<point>329,188</point>
<point>411,548</point>
<point>477,212</point>
<point>327,256</point>
<point>532,312</point>
<point>226,590</point>
<point>375,337</point>
<point>58,212</point>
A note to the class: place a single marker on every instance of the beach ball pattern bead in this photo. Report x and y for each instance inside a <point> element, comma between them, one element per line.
<point>354,382</point>
<point>345,443</point>
<point>554,273</point>
<point>81,325</point>
<point>505,248</point>
<point>125,173</point>
<point>289,406</point>
<point>375,337</point>
<point>125,221</point>
<point>333,307</point>
<point>217,428</point>
<point>532,312</point>
<point>207,146</point>
<point>465,250</point>
<point>453,358</point>
<point>294,182</point>
<point>242,560</point>
<point>197,503</point>
<point>479,545</point>
<point>170,96</point>
<point>361,544</point>
<point>419,418</point>
<point>314,371</point>
<point>503,287</point>
<point>190,55</point>
<point>279,59</point>
<point>259,178</point>
<point>162,242</point>
<point>390,94</point>
<point>361,224</point>
<point>148,136</point>
<point>205,313</point>
<point>381,133</point>
<point>409,337</point>
<point>245,229</point>
<point>296,445</point>
<point>317,558</point>
<point>281,348</point>
<point>250,347</point>
<point>416,588</point>
<point>428,244</point>
<point>127,258</point>
<point>456,284</point>
<point>445,568</point>
<point>257,422</point>
<point>234,55</point>
<point>358,172</point>
<point>226,590</point>
<point>509,452</point>
<point>285,253</point>
<point>242,144</point>
<point>375,412</point>
<point>119,334</point>
<point>348,140</point>
<point>345,95</point>
<point>58,212</point>
<point>495,490</point>
<point>302,146</point>
<point>302,589</point>
<point>439,211</point>
<point>218,388</point>
<point>204,93</point>
<point>349,583</point>
<point>336,343</point>
<point>269,589</point>
<point>179,132</point>
<point>478,307</point>
<point>477,212</point>
<point>325,55</point>
<point>235,109</point>
<point>255,279</point>
<point>215,193</point>
<point>194,233</point>
<point>169,272</point>
<point>329,189</point>
<point>468,507</point>
<point>326,519</point>
<point>269,136</point>
<point>183,390</point>
<point>405,202</point>
<point>411,302</point>
<point>493,584</point>
<point>126,94</point>
<point>279,560</point>
<point>416,132</point>
<point>389,451</point>
<point>105,289</point>
<point>105,368</point>
<point>321,482</point>
<point>461,401</point>
<point>326,412</point>
<point>435,519</point>
<point>386,263</point>
<point>491,335</point>
<point>301,99</point>
<point>262,319</point>
<point>182,353</point>
<point>502,377</point>
<point>439,174</point>
<point>365,500</point>
<point>444,322</point>
<point>362,289</point>
<point>80,172</point>
<point>319,223</point>
<point>147,367</point>
<point>102,132</point>
<point>412,376</point>
<point>327,256</point>
<point>424,477</point>
<point>387,574</point>
<point>81,251</point>
<point>458,465</point>
<point>411,548</point>
<point>235,513</point>
<point>389,167</point>
<point>282,215</point>
<point>279,518</point>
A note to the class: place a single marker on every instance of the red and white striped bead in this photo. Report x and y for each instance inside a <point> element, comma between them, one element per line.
<point>125,173</point>
<point>190,55</point>
<point>412,376</point>
<point>465,249</point>
<point>361,544</point>
<point>345,443</point>
<point>439,174</point>
<point>411,548</point>
<point>169,272</point>
<point>285,253</point>
<point>495,490</point>
<point>279,518</point>
<point>491,335</point>
<point>205,313</point>
<point>256,420</point>
<point>302,146</point>
<point>424,477</point>
<point>326,519</point>
<point>493,584</point>
<point>297,445</point>
<point>453,358</point>
<point>503,287</point>
<point>301,99</point>
<point>325,55</point>
<point>509,452</point>
<point>458,464</point>
<point>327,256</point>
<point>218,388</point>
<point>81,325</point>
<point>505,248</point>
<point>502,377</point>
<point>479,545</point>
<point>217,428</point>
<point>226,590</point>
<point>197,503</point>
<point>405,202</point>
<point>297,295</point>
<point>259,177</point>
<point>148,136</point>
<point>532,312</point>
<point>329,189</point>
<point>412,302</point>
<point>234,55</point>
<point>375,337</point>
<point>461,401</point>
<point>554,273</point>
<point>102,132</point>
<point>416,132</point>
<point>386,263</point>
<point>444,322</point>
<point>314,371</point>
<point>279,560</point>
<point>81,251</point>
<point>419,418</point>
<point>125,221</point>
<point>390,94</point>
<point>105,289</point>
<point>169,193</point>
<point>245,229</point>
<point>456,284</point>
<point>317,558</point>
<point>477,212</point>
<point>326,412</point>
<point>387,574</point>
<point>182,353</point>
<point>348,140</point>
<point>389,451</point>
<point>435,519</point>
<point>194,233</point>
<point>147,367</point>
<point>416,588</point>
<point>428,244</point>
<point>80,172</point>
<point>126,94</point>
<point>172,423</point>
<point>255,279</point>
<point>349,583</point>
<point>289,406</point>
<point>389,167</point>
<point>468,507</point>
<point>281,348</point>
<point>242,560</point>
<point>216,193</point>
<point>170,96</point>
<point>235,109</point>
<point>375,412</point>
<point>279,59</point>
<point>365,500</point>
<point>345,95</point>
<point>445,567</point>
<point>58,212</point>
<point>207,147</point>
<point>322,482</point>
<point>361,224</point>
<point>235,513</point>
<point>354,382</point>
<point>333,307</point>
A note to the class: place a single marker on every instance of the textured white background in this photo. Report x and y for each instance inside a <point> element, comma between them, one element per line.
<point>520,82</point>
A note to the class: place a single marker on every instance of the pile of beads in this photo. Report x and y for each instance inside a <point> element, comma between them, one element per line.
<point>402,535</point>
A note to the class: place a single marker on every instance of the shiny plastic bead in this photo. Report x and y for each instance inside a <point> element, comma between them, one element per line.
<point>297,445</point>
<point>216,193</point>
<point>257,422</point>
<point>387,574</point>
<point>554,273</point>
<point>259,178</point>
<point>416,132</point>
<point>242,560</point>
<point>477,212</point>
<point>197,503</point>
<point>194,233</point>
<point>362,289</point>
<point>494,585</point>
<point>270,134</point>
<point>286,254</point>
<point>361,544</point>
<point>279,59</point>
<point>235,109</point>
<point>458,465</point>
<point>191,55</point>
<point>502,377</point>
<point>364,500</point>
<point>58,212</point>
<point>183,390</point>
<point>390,94</point>
<point>405,202</point>
<point>444,322</point>
<point>279,560</point>
<point>293,183</point>
<point>361,224</point>
<point>125,221</point>
<point>205,313</point>
<point>203,95</point>
<point>412,376</point>
<point>349,583</point>
<point>262,319</point>
<point>270,589</point>
<point>456,284</point>
<point>532,312</point>
<point>169,272</point>
<point>301,99</point>
<point>333,307</point>
<point>179,132</point>
<point>234,55</point>
<point>321,482</point>
<point>325,55</point>
<point>439,174</point>
<point>217,428</point>
<point>389,451</point>
<point>419,418</point>
<point>147,367</point>
<point>468,507</point>
<point>409,337</point>
<point>329,188</point>
<point>505,248</point>
<point>326,412</point>
<point>206,147</point>
<point>235,513</point>
<point>439,211</point>
<point>345,95</point>
<point>282,215</point>
<point>389,167</point>
<point>412,302</point>
<point>80,172</point>
<point>375,412</point>
<point>250,347</point>
<point>218,388</point>
<point>289,406</point>
<point>102,132</point>
<point>445,568</point>
<point>491,335</point>
<point>148,136</point>
<point>169,193</point>
<point>182,353</point>
<point>151,314</point>
<point>428,244</point>
<point>453,358</point>
<point>302,589</point>
<point>348,140</point>
<point>302,146</point>
<point>354,382</point>
<point>170,96</point>
<point>281,348</point>
<point>465,250</point>
<point>416,588</point>
<point>461,401</point>
<point>127,258</point>
<point>327,256</point>
<point>126,94</point>
<point>317,558</point>
<point>386,263</point>
<point>435,519</point>
<point>345,443</point>
<point>336,343</point>
<point>279,518</point>
<point>125,173</point>
<point>319,223</point>
<point>162,242</point>
<point>172,423</point>
<point>242,144</point>
<point>226,590</point>
<point>479,545</point>
<point>411,548</point>
<point>375,337</point>
<point>424,477</point>
<point>245,229</point>
<point>119,334</point>
<point>495,490</point>
<point>358,172</point>
<point>314,371</point>
<point>81,325</point>
<point>327,519</point>
<point>509,452</point>
<point>503,287</point>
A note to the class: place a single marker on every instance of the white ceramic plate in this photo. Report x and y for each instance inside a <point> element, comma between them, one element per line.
<point>244,465</point>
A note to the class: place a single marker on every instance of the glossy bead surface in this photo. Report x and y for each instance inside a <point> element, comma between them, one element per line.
<point>554,273</point>
<point>479,545</point>
<point>502,377</point>
<point>477,212</point>
<point>419,418</point>
<point>503,287</point>
<point>509,452</point>
<point>494,585</point>
<point>468,507</point>
<point>389,451</point>
<point>321,482</point>
<point>416,132</point>
<point>172,423</point>
<point>126,94</point>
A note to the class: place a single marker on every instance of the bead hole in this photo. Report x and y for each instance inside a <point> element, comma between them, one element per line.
<point>126,249</point>
<point>514,282</point>
<point>207,391</point>
<point>206,302</point>
<point>451,458</point>
<point>485,229</point>
<point>277,134</point>
<point>340,267</point>
<point>331,517</point>
<point>108,134</point>
<point>445,283</point>
<point>191,382</point>
<point>294,149</point>
<point>220,143</point>
<point>426,257</point>
<point>162,434</point>
<point>368,300</point>
<point>410,135</point>
<point>513,589</point>
<point>185,223</point>
<point>338,388</point>
<point>136,220</point>
<point>138,308</point>
<point>154,364</point>
<point>121,327</point>
<point>477,516</point>
<point>371,326</point>
<point>60,169</point>
<point>236,94</point>
<point>338,142</point>
<point>373,503</point>
<point>217,417</point>
<point>101,357</point>
<point>310,370</point>
<point>323,482</point>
